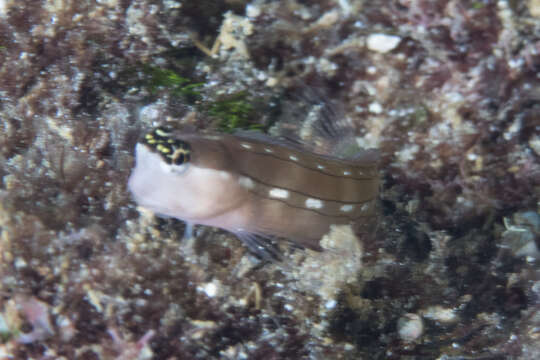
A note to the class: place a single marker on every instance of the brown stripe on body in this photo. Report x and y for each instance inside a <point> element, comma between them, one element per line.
<point>361,168</point>
<point>301,175</point>
<point>344,212</point>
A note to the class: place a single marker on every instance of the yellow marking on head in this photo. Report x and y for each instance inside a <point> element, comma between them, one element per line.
<point>161,132</point>
<point>172,150</point>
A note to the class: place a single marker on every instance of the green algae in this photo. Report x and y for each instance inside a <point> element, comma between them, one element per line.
<point>234,112</point>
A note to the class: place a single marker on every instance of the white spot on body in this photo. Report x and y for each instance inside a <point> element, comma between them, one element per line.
<point>278,193</point>
<point>246,182</point>
<point>320,167</point>
<point>346,208</point>
<point>314,203</point>
<point>245,146</point>
<point>293,158</point>
<point>365,207</point>
<point>346,172</point>
<point>268,150</point>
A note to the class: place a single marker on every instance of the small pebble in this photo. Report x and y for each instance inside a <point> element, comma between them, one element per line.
<point>382,43</point>
<point>410,327</point>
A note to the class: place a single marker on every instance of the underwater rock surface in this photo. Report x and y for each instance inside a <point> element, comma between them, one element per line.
<point>448,90</point>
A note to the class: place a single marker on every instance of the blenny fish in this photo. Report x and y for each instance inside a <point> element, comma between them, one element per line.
<point>252,185</point>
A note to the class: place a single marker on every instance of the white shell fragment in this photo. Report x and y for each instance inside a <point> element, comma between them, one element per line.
<point>410,327</point>
<point>439,313</point>
<point>382,43</point>
<point>211,289</point>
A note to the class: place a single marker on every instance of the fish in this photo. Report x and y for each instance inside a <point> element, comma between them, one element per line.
<point>252,186</point>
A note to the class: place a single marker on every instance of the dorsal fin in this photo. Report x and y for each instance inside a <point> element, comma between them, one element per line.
<point>315,122</point>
